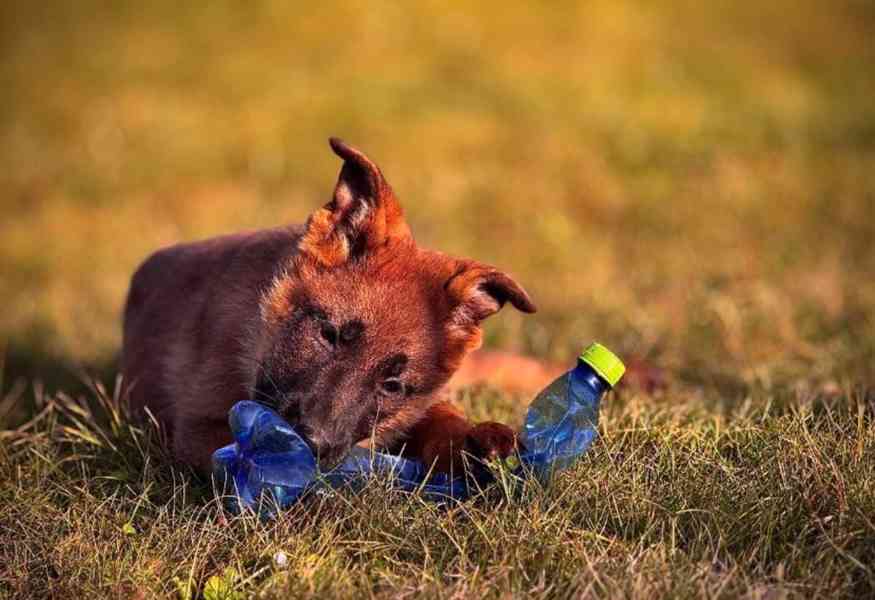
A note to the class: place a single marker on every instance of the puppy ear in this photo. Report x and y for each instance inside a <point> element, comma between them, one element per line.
<point>475,292</point>
<point>363,215</point>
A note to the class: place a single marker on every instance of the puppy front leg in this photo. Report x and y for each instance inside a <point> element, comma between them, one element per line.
<point>195,440</point>
<point>444,434</point>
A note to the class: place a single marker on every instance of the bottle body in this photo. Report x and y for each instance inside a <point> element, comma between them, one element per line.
<point>562,421</point>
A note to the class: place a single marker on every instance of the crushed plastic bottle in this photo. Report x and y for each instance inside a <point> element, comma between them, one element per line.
<point>270,466</point>
<point>562,421</point>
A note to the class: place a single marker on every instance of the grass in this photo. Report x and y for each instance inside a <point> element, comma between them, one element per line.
<point>772,499</point>
<point>687,182</point>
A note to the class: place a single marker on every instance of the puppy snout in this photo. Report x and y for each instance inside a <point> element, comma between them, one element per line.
<point>322,449</point>
<point>327,454</point>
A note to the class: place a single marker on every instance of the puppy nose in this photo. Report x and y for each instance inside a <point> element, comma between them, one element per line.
<point>292,414</point>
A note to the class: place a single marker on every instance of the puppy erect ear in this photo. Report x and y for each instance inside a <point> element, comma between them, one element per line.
<point>475,292</point>
<point>363,215</point>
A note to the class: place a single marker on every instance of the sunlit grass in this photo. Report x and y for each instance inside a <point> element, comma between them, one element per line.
<point>770,499</point>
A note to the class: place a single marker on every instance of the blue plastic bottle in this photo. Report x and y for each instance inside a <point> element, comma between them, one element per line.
<point>562,421</point>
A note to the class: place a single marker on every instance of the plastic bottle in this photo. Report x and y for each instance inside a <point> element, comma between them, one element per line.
<point>562,421</point>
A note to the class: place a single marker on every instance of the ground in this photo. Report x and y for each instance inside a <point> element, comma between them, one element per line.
<point>689,183</point>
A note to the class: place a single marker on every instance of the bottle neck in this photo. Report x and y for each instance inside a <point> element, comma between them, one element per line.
<point>586,373</point>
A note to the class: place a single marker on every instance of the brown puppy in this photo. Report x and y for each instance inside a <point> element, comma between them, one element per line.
<point>344,326</point>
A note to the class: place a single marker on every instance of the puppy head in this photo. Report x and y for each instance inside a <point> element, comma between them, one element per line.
<point>363,327</point>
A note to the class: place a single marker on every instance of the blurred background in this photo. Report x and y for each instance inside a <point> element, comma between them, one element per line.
<point>692,183</point>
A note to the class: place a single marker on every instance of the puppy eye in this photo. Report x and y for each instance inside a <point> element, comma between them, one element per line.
<point>392,386</point>
<point>328,332</point>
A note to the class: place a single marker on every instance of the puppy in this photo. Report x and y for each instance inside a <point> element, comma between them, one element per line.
<point>344,326</point>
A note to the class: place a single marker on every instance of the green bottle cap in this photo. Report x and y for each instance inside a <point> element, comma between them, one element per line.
<point>604,362</point>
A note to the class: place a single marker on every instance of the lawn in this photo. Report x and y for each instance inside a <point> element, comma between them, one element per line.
<point>689,183</point>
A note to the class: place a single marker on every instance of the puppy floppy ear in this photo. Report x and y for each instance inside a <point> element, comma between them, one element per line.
<point>475,292</point>
<point>363,215</point>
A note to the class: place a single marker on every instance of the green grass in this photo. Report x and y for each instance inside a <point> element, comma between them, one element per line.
<point>772,499</point>
<point>687,182</point>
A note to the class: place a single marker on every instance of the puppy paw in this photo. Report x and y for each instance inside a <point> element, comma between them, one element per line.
<point>488,441</point>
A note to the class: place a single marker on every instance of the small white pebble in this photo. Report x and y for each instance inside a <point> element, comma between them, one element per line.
<point>280,559</point>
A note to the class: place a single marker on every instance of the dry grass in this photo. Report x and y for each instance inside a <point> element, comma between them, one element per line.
<point>687,182</point>
<point>772,499</point>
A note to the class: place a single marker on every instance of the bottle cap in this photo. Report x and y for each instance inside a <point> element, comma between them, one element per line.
<point>604,362</point>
